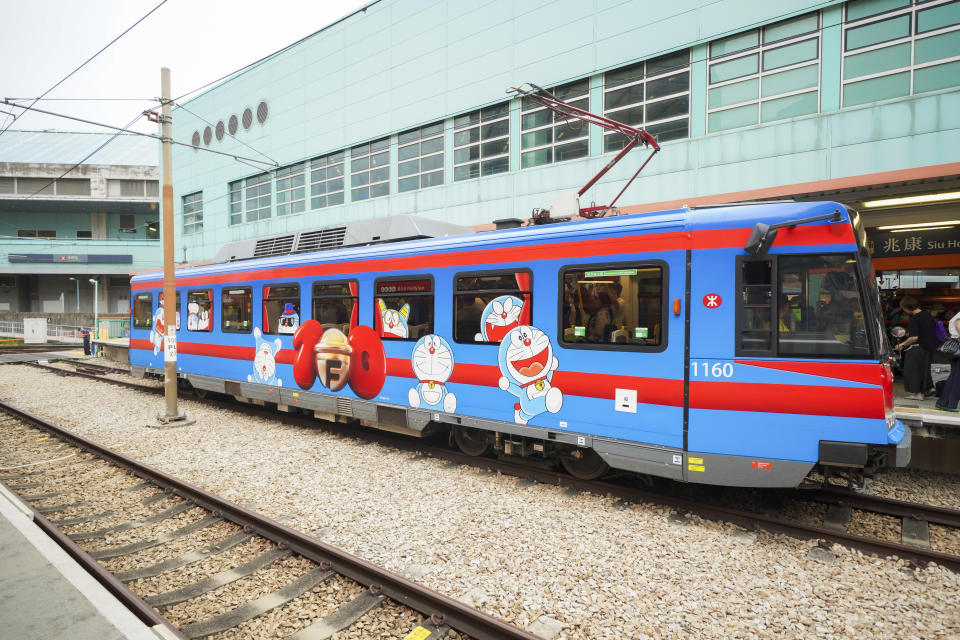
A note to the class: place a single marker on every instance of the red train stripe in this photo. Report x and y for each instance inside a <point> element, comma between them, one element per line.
<point>847,402</point>
<point>866,373</point>
<point>575,249</point>
<point>727,396</point>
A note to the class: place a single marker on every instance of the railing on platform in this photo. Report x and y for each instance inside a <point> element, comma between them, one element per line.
<point>108,329</point>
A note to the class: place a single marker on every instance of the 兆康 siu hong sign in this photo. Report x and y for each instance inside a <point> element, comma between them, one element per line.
<point>915,242</point>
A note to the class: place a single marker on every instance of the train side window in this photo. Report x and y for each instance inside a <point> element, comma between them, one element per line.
<point>281,308</point>
<point>143,311</point>
<point>403,307</point>
<point>236,310</point>
<point>177,296</point>
<point>200,310</point>
<point>755,308</point>
<point>614,306</point>
<point>487,305</point>
<point>335,304</point>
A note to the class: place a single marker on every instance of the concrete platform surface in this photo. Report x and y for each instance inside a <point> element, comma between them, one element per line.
<point>45,594</point>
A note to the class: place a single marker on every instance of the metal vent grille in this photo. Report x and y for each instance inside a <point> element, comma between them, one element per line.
<point>195,139</point>
<point>207,136</point>
<point>220,130</point>
<point>262,112</point>
<point>247,118</point>
<point>232,125</point>
<point>321,240</point>
<point>345,407</point>
<point>279,246</point>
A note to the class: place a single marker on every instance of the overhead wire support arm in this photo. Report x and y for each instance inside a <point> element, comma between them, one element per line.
<point>635,137</point>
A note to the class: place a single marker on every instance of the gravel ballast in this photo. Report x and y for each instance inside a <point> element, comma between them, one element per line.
<point>602,568</point>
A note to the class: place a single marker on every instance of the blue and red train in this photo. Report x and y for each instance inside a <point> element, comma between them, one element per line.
<point>736,345</point>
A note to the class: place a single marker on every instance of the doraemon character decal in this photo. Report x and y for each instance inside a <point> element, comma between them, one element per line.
<point>289,320</point>
<point>526,365</point>
<point>193,316</point>
<point>393,323</point>
<point>264,361</point>
<point>432,362</point>
<point>500,316</point>
<point>336,359</point>
<point>157,330</point>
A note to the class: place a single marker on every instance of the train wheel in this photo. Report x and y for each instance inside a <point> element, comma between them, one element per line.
<point>584,464</point>
<point>200,394</point>
<point>473,442</point>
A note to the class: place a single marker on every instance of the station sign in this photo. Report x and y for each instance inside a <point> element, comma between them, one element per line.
<point>913,242</point>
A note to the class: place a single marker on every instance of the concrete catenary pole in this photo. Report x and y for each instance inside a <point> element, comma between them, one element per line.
<point>169,290</point>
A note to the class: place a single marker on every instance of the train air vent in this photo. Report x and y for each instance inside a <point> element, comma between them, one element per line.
<point>344,407</point>
<point>321,239</point>
<point>279,246</point>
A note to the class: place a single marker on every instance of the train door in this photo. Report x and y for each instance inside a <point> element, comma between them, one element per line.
<point>622,336</point>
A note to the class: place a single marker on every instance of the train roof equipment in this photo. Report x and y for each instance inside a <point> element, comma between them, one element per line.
<point>566,205</point>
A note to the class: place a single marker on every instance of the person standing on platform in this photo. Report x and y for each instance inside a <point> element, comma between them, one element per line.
<point>919,348</point>
<point>951,389</point>
<point>86,340</point>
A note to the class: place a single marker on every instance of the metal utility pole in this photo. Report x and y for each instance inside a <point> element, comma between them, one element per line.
<point>169,290</point>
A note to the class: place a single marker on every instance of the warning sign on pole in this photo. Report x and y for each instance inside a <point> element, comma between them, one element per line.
<point>170,346</point>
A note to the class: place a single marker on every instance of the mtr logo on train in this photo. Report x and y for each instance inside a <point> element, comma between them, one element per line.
<point>712,300</point>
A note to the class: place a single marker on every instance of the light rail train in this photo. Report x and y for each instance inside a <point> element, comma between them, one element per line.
<point>734,345</point>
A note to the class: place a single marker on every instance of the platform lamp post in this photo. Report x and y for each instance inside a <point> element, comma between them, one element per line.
<point>96,306</point>
<point>77,282</point>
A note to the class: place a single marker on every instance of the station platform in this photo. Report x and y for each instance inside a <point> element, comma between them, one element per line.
<point>45,594</point>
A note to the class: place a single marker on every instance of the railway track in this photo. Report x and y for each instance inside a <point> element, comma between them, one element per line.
<point>201,566</point>
<point>839,524</point>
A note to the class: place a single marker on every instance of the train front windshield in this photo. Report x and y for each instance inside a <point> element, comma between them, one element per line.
<point>821,311</point>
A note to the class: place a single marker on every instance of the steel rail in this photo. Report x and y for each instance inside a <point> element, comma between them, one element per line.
<point>439,608</point>
<point>748,519</point>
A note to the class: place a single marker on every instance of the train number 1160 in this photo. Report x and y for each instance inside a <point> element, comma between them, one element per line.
<point>703,369</point>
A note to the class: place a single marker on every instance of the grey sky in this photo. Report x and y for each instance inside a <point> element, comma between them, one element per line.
<point>41,41</point>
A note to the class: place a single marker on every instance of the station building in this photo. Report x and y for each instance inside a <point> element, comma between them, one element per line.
<point>78,213</point>
<point>402,108</point>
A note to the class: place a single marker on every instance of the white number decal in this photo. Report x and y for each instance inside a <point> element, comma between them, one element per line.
<point>705,369</point>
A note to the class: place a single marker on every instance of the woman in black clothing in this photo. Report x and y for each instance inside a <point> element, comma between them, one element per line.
<point>918,350</point>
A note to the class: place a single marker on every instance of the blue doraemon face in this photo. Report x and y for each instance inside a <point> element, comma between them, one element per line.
<point>500,316</point>
<point>526,355</point>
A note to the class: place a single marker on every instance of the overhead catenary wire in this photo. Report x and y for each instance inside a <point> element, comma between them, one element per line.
<point>85,62</point>
<point>238,158</point>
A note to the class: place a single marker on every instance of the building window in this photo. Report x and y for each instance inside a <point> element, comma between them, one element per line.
<point>549,137</point>
<point>619,306</point>
<point>84,233</point>
<point>370,170</point>
<point>895,49</point>
<point>765,74</point>
<point>481,142</point>
<point>193,212</point>
<point>236,202</point>
<point>281,308</point>
<point>128,223</point>
<point>8,185</point>
<point>36,233</point>
<point>290,189</point>
<point>258,197</point>
<point>73,187</point>
<point>486,306</point>
<point>403,308</point>
<point>132,188</point>
<point>326,181</point>
<point>35,186</point>
<point>420,157</point>
<point>654,95</point>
